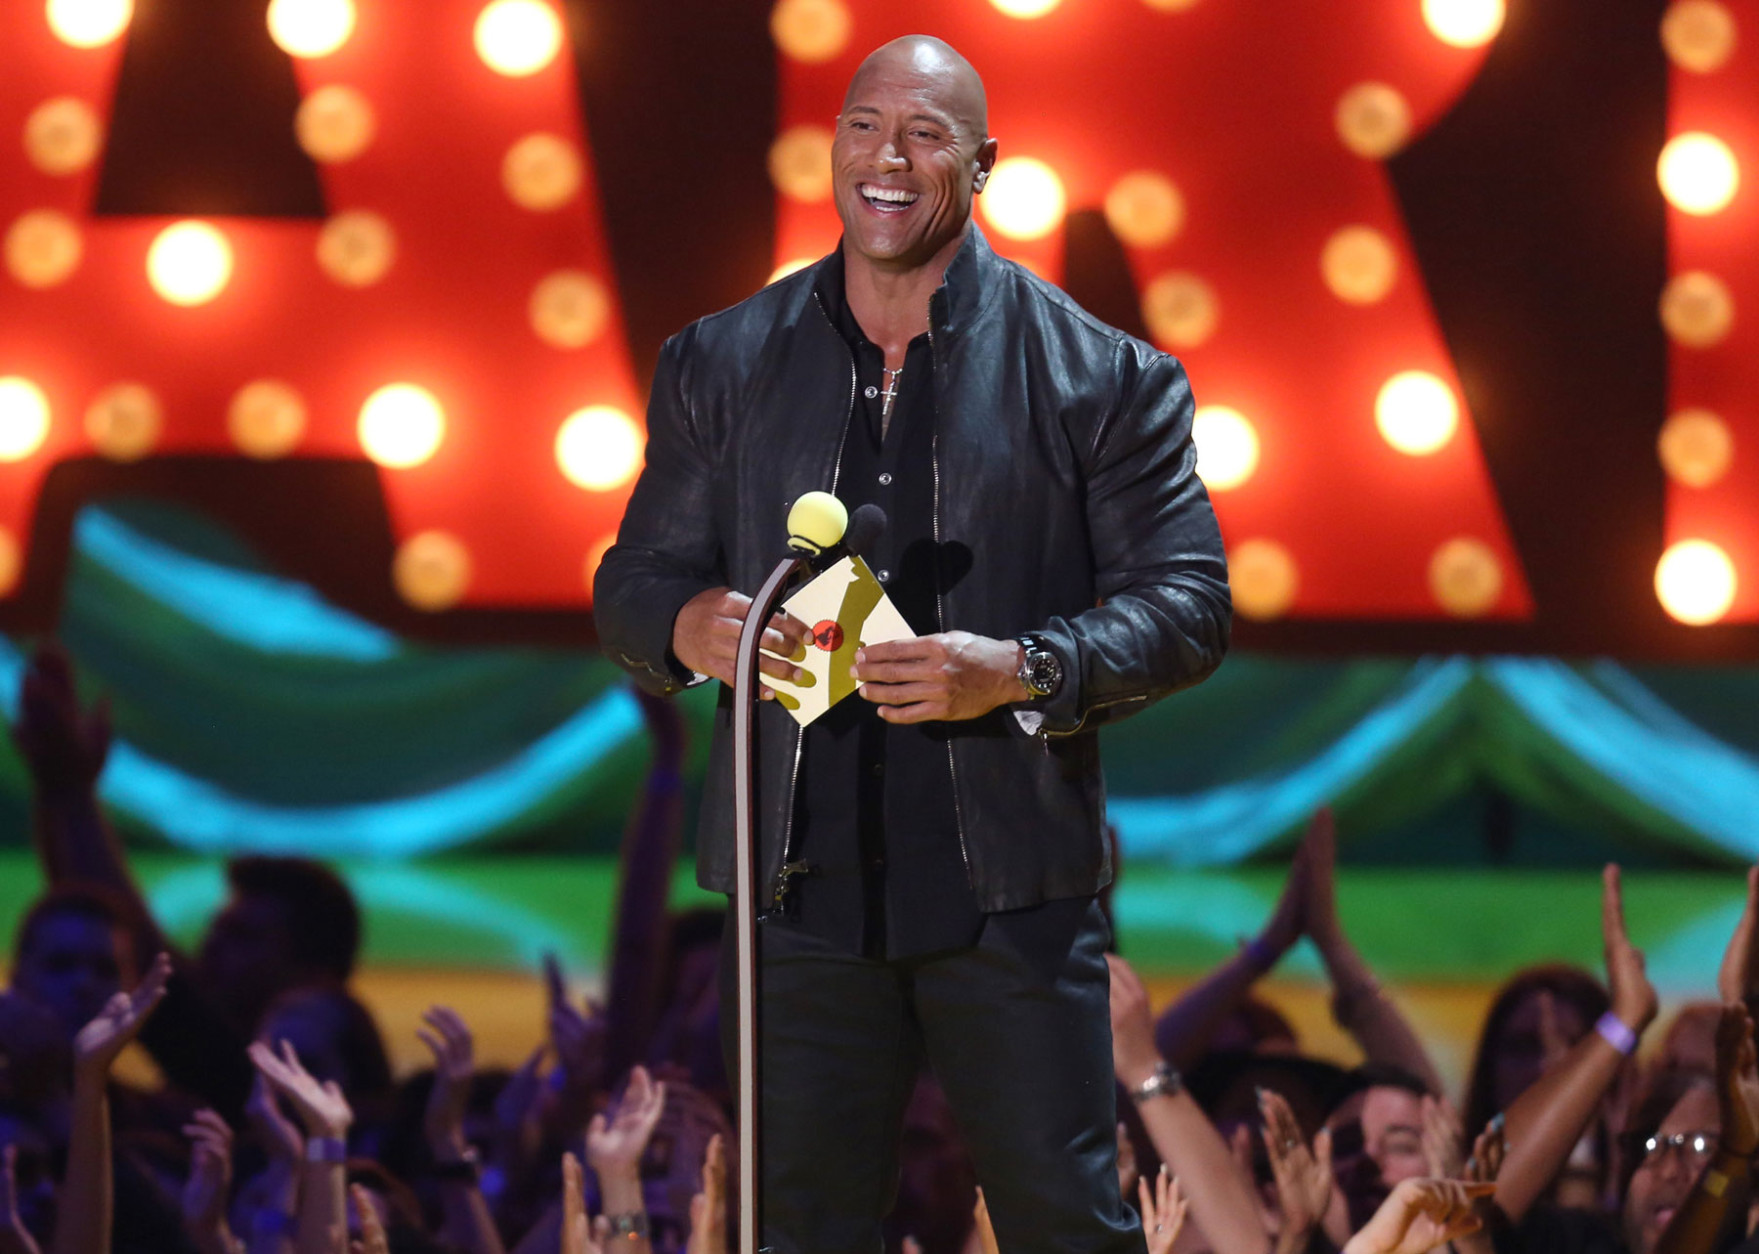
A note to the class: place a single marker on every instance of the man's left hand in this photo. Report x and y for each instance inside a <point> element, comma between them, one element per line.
<point>950,676</point>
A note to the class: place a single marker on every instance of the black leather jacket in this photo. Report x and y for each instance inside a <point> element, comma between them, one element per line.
<point>1066,504</point>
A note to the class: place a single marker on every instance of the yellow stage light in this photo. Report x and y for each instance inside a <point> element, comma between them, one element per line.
<point>1181,310</point>
<point>63,135</point>
<point>542,172</point>
<point>1695,447</point>
<point>43,248</point>
<point>1695,582</point>
<point>569,309</point>
<point>1416,412</point>
<point>1698,173</point>
<point>1263,579</point>
<point>1373,120</point>
<point>800,163</point>
<point>794,266</point>
<point>811,30</point>
<point>357,248</point>
<point>599,448</point>
<point>1699,35</point>
<point>431,570</point>
<point>310,28</point>
<point>11,561</point>
<point>89,23</point>
<point>1465,577</point>
<point>1359,265</point>
<point>24,418</point>
<point>1463,23</point>
<point>1025,8</point>
<point>189,263</point>
<point>401,425</point>
<point>335,123</point>
<point>123,422</point>
<point>266,419</point>
<point>595,558</point>
<point>518,37</point>
<point>1227,446</point>
<point>1697,309</point>
<point>1144,209</point>
<point>1023,198</point>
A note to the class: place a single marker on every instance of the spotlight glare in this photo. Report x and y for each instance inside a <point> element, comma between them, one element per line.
<point>1227,447</point>
<point>599,448</point>
<point>310,28</point>
<point>1023,198</point>
<point>89,23</point>
<point>1463,23</point>
<point>1698,173</point>
<point>1695,582</point>
<point>24,418</point>
<point>189,263</point>
<point>518,37</point>
<point>401,425</point>
<point>1025,8</point>
<point>1416,412</point>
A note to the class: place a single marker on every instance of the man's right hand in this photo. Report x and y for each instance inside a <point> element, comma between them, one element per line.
<point>705,637</point>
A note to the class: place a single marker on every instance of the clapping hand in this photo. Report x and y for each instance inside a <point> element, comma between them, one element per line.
<point>454,1071</point>
<point>708,1209</point>
<point>321,1107</point>
<point>1303,1176</point>
<point>1633,996</point>
<point>210,1181</point>
<point>119,1022</point>
<point>1420,1215</point>
<point>1740,962</point>
<point>1163,1211</point>
<point>14,1237</point>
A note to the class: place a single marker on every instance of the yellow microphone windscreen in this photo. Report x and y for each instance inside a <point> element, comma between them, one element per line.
<point>816,522</point>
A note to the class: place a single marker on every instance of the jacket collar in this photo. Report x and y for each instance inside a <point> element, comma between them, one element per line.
<point>971,280</point>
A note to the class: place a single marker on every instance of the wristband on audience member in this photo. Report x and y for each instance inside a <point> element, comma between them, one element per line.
<point>1613,1031</point>
<point>326,1149</point>
<point>633,1225</point>
<point>1165,1081</point>
<point>274,1223</point>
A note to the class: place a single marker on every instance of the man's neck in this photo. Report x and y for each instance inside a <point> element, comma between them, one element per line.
<point>890,305</point>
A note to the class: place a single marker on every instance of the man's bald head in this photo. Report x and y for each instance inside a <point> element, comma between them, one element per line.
<point>956,83</point>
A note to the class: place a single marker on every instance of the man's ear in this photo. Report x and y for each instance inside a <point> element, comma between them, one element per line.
<point>986,161</point>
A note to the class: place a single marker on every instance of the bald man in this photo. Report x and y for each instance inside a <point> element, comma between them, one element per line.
<point>932,851</point>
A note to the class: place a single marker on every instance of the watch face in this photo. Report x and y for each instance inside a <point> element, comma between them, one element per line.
<point>1045,672</point>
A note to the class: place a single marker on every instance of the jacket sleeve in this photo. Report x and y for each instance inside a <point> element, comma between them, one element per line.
<point>667,547</point>
<point>1164,613</point>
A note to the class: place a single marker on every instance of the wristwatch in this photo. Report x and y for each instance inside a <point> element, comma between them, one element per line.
<point>1041,671</point>
<point>1164,1081</point>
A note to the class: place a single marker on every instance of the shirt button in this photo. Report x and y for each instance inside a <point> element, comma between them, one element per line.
<point>879,768</point>
<point>885,478</point>
<point>884,576</point>
<point>871,392</point>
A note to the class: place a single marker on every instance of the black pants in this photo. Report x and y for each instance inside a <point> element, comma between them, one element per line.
<point>1018,1032</point>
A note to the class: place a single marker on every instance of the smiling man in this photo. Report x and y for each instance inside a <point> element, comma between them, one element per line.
<point>932,851</point>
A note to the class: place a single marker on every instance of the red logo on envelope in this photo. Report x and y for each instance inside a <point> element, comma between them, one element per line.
<point>828,635</point>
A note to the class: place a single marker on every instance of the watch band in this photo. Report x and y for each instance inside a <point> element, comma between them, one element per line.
<point>1041,670</point>
<point>633,1225</point>
<point>1164,1082</point>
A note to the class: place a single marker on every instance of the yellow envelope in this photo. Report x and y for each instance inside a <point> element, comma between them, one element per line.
<point>844,608</point>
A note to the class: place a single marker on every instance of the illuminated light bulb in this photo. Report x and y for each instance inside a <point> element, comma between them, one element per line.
<point>595,558</point>
<point>1463,23</point>
<point>794,266</point>
<point>1359,265</point>
<point>518,37</point>
<point>1695,447</point>
<point>24,418</point>
<point>189,263</point>
<point>1699,35</point>
<point>1465,577</point>
<point>1263,579</point>
<point>569,309</point>
<point>1025,8</point>
<point>1227,446</point>
<point>89,23</point>
<point>357,248</point>
<point>1416,412</point>
<point>1373,120</point>
<point>800,163</point>
<point>1180,309</point>
<point>431,570</point>
<point>63,136</point>
<point>1698,173</point>
<point>310,28</point>
<point>43,248</point>
<point>1697,309</point>
<point>1023,198</point>
<point>335,124</point>
<point>401,425</point>
<point>811,30</point>
<point>599,448</point>
<point>1144,209</point>
<point>1171,6</point>
<point>542,172</point>
<point>11,561</point>
<point>123,422</point>
<point>1695,582</point>
<point>266,419</point>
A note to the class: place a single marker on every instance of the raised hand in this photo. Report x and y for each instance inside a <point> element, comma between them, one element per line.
<point>1134,1055</point>
<point>1737,1080</point>
<point>1740,961</point>
<point>450,1042</point>
<point>1442,1136</point>
<point>1633,996</point>
<point>64,746</point>
<point>321,1107</point>
<point>1163,1211</point>
<point>1320,846</point>
<point>614,1146</point>
<point>578,1039</point>
<point>280,1136</point>
<point>1303,1176</point>
<point>1419,1215</point>
<point>373,1239</point>
<point>578,1237</point>
<point>14,1238</point>
<point>119,1022</point>
<point>708,1209</point>
<point>206,1191</point>
<point>1488,1152</point>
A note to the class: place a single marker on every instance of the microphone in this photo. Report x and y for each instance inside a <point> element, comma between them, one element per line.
<point>866,525</point>
<point>816,522</point>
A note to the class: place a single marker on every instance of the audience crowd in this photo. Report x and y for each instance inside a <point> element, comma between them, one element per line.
<point>281,1128</point>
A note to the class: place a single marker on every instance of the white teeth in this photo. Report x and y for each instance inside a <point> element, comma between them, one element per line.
<point>893,195</point>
